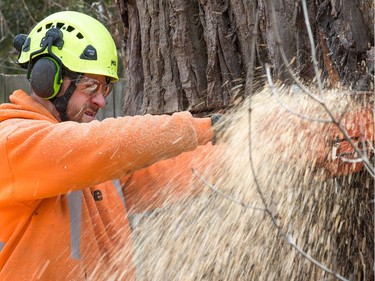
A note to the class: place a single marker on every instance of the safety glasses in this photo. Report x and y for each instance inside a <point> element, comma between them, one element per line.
<point>92,86</point>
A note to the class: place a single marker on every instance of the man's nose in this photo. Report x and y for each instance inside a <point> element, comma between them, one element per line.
<point>99,100</point>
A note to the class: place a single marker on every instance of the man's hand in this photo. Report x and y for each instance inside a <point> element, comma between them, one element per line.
<point>218,125</point>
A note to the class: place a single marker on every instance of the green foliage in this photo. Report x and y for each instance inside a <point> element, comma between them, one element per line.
<point>21,16</point>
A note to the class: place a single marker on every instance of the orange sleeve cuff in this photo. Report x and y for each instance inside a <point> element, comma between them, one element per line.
<point>204,130</point>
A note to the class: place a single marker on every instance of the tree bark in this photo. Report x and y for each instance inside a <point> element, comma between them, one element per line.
<point>346,28</point>
<point>195,55</point>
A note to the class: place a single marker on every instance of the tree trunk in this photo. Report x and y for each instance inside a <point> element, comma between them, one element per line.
<point>196,55</point>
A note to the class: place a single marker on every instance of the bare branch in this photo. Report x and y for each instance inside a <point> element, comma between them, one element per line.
<point>312,44</point>
<point>250,69</point>
<point>274,93</point>
<point>290,240</point>
<point>357,160</point>
<point>28,12</point>
<point>284,58</point>
<point>218,191</point>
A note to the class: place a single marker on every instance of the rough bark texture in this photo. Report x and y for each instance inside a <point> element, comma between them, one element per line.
<point>347,28</point>
<point>195,55</point>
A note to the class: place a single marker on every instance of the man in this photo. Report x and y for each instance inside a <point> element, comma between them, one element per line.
<point>61,215</point>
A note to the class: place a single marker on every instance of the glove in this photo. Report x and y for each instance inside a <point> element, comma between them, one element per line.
<point>218,125</point>
<point>360,128</point>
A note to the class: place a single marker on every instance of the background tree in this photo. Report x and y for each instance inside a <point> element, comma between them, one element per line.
<point>196,55</point>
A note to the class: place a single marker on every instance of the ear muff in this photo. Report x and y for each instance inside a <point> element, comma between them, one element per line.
<point>46,77</point>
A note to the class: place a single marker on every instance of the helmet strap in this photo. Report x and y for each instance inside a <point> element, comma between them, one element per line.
<point>61,102</point>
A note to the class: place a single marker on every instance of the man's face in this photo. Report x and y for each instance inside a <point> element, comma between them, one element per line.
<point>88,98</point>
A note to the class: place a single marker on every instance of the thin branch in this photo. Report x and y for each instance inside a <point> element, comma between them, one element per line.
<point>28,12</point>
<point>274,93</point>
<point>216,190</point>
<point>250,68</point>
<point>290,240</point>
<point>6,29</point>
<point>287,237</point>
<point>348,160</point>
<point>312,44</point>
<point>284,58</point>
<point>356,160</point>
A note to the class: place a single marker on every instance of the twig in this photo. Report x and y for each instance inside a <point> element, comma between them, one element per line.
<point>313,55</point>
<point>28,12</point>
<point>274,93</point>
<point>284,58</point>
<point>250,68</point>
<point>6,29</point>
<point>215,189</point>
<point>290,240</point>
<point>357,160</point>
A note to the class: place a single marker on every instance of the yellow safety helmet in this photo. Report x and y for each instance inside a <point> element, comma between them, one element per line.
<point>81,43</point>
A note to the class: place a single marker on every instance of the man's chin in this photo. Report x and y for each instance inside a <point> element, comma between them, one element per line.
<point>87,118</point>
<point>82,116</point>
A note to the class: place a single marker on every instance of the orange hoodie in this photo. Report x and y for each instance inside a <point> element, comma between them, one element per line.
<point>61,215</point>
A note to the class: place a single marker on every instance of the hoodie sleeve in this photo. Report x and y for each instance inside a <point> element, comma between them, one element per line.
<point>47,159</point>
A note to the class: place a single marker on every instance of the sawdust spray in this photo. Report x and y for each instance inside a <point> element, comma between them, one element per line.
<point>269,170</point>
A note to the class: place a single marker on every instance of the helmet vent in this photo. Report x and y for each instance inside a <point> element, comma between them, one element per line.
<point>79,35</point>
<point>48,26</point>
<point>70,28</point>
<point>59,25</point>
<point>39,29</point>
